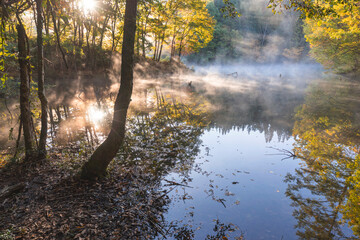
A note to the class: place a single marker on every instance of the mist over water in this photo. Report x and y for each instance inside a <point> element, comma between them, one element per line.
<point>235,87</point>
<point>230,165</point>
<point>292,71</point>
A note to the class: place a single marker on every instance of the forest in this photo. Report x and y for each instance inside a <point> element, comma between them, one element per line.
<point>179,119</point>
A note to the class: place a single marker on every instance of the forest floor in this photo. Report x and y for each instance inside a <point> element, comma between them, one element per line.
<point>50,203</point>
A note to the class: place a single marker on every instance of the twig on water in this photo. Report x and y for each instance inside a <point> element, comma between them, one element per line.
<point>171,183</point>
<point>283,152</point>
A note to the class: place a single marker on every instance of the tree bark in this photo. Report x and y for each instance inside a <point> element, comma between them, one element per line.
<point>100,159</point>
<point>25,93</point>
<point>41,90</point>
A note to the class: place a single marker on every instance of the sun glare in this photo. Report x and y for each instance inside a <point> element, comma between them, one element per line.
<point>96,115</point>
<point>88,5</point>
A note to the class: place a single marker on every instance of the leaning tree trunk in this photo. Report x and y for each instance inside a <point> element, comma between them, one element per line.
<point>25,94</point>
<point>98,162</point>
<point>40,71</point>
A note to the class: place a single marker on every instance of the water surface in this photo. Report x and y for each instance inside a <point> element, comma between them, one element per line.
<point>267,153</point>
<point>245,175</point>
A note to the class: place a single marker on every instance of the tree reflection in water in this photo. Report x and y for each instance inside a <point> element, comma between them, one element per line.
<point>326,188</point>
<point>163,138</point>
<point>167,136</point>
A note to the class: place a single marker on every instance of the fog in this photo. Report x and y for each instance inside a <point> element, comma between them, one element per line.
<point>257,36</point>
<point>275,89</point>
<point>292,71</point>
<point>269,77</point>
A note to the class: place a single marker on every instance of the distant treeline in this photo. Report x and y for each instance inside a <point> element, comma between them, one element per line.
<point>257,35</point>
<point>327,32</point>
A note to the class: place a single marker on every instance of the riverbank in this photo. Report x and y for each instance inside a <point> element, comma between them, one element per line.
<point>47,199</point>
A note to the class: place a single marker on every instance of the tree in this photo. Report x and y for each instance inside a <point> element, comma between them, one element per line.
<point>97,164</point>
<point>335,41</point>
<point>16,8</point>
<point>195,28</point>
<point>182,26</point>
<point>225,34</point>
<point>25,79</point>
<point>332,30</point>
<point>314,9</point>
<point>40,72</point>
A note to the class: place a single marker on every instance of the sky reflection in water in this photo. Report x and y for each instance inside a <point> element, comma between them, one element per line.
<point>239,169</point>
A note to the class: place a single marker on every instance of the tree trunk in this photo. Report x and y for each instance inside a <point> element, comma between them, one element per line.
<point>180,48</point>
<point>41,91</point>
<point>81,35</point>
<point>161,47</point>
<point>138,42</point>
<point>113,26</point>
<point>58,113</point>
<point>172,51</point>
<point>143,29</point>
<point>52,124</point>
<point>25,93</point>
<point>103,31</point>
<point>155,49</point>
<point>56,30</point>
<point>47,19</point>
<point>98,162</point>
